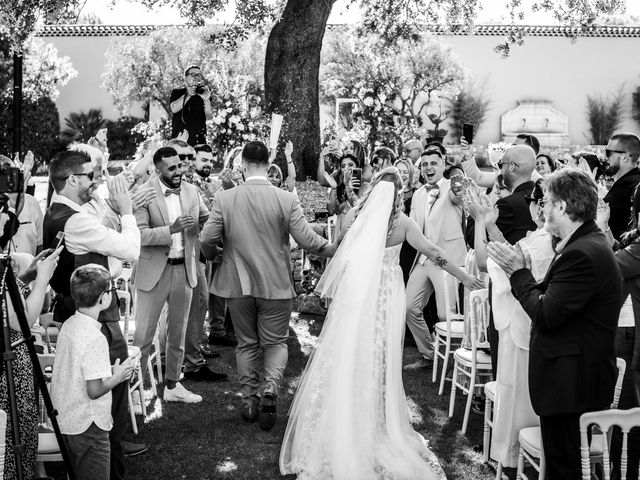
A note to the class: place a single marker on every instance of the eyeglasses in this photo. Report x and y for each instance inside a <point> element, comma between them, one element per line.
<point>609,152</point>
<point>89,175</point>
<point>186,156</point>
<point>542,202</point>
<point>501,164</point>
<point>111,290</point>
<point>194,74</point>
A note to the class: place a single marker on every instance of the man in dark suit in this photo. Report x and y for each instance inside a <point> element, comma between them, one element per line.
<point>574,314</point>
<point>622,151</point>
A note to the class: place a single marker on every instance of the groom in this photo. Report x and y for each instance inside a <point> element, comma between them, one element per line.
<point>253,221</point>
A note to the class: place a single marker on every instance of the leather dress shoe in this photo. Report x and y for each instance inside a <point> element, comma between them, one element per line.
<point>268,415</point>
<point>207,352</point>
<point>205,374</point>
<point>132,449</point>
<point>249,413</point>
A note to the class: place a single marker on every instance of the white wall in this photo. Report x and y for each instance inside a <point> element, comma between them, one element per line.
<point>552,68</point>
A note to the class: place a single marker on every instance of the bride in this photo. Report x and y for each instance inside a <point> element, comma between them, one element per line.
<point>349,419</point>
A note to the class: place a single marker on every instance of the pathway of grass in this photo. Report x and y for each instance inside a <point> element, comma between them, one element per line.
<point>210,441</point>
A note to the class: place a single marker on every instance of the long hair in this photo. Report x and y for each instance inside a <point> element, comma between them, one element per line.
<point>275,167</point>
<point>389,174</point>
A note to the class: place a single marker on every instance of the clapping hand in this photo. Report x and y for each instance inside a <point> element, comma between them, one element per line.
<point>142,197</point>
<point>119,195</point>
<point>479,206</point>
<point>509,258</point>
<point>182,223</point>
<point>226,177</point>
<point>603,214</point>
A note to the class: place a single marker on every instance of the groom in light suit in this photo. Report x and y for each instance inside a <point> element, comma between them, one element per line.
<point>166,269</point>
<point>254,221</point>
<point>438,212</point>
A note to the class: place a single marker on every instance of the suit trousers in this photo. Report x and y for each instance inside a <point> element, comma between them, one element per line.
<point>260,324</point>
<point>172,287</point>
<point>193,358</point>
<point>217,308</point>
<point>423,281</point>
<point>561,445</point>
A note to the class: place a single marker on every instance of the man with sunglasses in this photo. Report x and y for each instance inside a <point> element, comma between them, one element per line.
<point>87,240</point>
<point>191,107</point>
<point>622,152</point>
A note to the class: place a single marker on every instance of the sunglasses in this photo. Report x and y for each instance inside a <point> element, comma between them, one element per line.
<point>186,156</point>
<point>89,175</point>
<point>609,152</point>
<point>501,164</point>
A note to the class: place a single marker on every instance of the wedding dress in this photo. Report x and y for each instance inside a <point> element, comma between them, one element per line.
<point>349,419</point>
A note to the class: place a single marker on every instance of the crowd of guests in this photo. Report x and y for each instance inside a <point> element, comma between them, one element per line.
<point>559,241</point>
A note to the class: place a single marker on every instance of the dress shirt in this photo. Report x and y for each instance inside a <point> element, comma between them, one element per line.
<point>256,177</point>
<point>432,196</point>
<point>626,318</point>
<point>174,209</point>
<point>29,234</point>
<point>82,354</point>
<point>563,243</point>
<point>84,233</point>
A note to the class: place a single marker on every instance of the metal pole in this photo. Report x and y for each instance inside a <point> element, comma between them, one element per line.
<point>17,103</point>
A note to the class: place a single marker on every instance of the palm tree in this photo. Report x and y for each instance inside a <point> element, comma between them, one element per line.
<point>81,126</point>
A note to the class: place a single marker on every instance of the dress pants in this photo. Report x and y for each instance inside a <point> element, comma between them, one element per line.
<point>260,324</point>
<point>423,281</point>
<point>217,307</point>
<point>629,398</point>
<point>172,287</point>
<point>561,444</point>
<point>193,358</point>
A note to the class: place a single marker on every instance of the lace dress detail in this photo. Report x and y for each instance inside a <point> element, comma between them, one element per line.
<point>349,419</point>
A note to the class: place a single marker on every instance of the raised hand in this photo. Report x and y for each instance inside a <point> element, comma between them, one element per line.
<point>182,223</point>
<point>142,197</point>
<point>119,195</point>
<point>226,177</point>
<point>47,265</point>
<point>183,135</point>
<point>288,149</point>
<point>510,259</point>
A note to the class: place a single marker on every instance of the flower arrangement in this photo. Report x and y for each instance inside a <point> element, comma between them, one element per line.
<point>233,125</point>
<point>495,151</point>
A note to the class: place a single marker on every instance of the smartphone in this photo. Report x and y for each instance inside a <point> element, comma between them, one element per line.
<point>356,173</point>
<point>60,238</point>
<point>467,132</point>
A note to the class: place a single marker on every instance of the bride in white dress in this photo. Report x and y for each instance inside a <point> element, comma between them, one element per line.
<point>349,419</point>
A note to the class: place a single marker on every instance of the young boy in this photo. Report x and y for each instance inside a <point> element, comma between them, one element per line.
<point>83,378</point>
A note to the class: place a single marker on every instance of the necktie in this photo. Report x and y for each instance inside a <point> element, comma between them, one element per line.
<point>174,191</point>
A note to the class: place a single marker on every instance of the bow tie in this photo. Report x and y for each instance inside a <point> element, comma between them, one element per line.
<point>169,191</point>
<point>430,187</point>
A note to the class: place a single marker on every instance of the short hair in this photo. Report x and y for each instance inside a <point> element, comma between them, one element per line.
<point>630,141</point>
<point>87,283</point>
<point>176,142</point>
<point>96,155</point>
<point>530,140</point>
<point>64,164</point>
<point>163,152</point>
<point>577,189</point>
<point>203,147</point>
<point>435,144</point>
<point>255,153</point>
<point>186,71</point>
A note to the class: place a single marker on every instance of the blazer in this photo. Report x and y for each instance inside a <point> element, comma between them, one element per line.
<point>253,221</point>
<point>629,262</point>
<point>443,226</point>
<point>619,200</point>
<point>574,317</point>
<point>514,218</point>
<point>153,222</point>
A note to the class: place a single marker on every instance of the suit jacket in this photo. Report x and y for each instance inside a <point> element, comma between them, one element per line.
<point>629,262</point>
<point>514,218</point>
<point>443,226</point>
<point>254,220</point>
<point>153,222</point>
<point>574,317</point>
<point>619,200</point>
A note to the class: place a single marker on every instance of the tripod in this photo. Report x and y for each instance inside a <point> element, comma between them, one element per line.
<point>8,283</point>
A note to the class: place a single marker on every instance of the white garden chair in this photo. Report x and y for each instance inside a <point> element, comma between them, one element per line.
<point>470,364</point>
<point>490,398</point>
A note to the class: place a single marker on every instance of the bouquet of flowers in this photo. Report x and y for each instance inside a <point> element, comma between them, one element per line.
<point>232,126</point>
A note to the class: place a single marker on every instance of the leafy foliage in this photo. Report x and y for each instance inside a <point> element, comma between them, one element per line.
<point>148,68</point>
<point>39,122</point>
<point>469,106</point>
<point>635,105</point>
<point>81,126</point>
<point>120,138</point>
<point>605,115</point>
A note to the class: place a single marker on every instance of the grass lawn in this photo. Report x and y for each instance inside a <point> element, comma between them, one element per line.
<point>209,440</point>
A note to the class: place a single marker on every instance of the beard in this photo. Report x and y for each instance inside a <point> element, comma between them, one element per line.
<point>172,181</point>
<point>611,170</point>
<point>204,173</point>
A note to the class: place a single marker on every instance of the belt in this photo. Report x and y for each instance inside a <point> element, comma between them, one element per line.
<point>175,261</point>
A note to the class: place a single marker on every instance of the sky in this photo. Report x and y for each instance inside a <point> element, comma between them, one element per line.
<point>121,12</point>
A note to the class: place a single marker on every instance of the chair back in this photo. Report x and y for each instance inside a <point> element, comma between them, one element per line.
<point>3,440</point>
<point>478,306</point>
<point>451,290</point>
<point>622,367</point>
<point>46,361</point>
<point>50,327</point>
<point>331,228</point>
<point>604,420</point>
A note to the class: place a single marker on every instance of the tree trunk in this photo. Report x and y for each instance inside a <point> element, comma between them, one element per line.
<point>291,73</point>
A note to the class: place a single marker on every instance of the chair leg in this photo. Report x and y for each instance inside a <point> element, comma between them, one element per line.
<point>452,400</point>
<point>487,429</point>
<point>445,364</point>
<point>141,391</point>
<point>499,471</point>
<point>467,409</point>
<point>152,377</point>
<point>543,467</point>
<point>436,349</point>
<point>156,346</point>
<point>520,465</point>
<point>132,414</point>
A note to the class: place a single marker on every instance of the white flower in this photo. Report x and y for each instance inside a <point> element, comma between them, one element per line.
<point>234,119</point>
<point>240,127</point>
<point>229,110</point>
<point>223,130</point>
<point>228,104</point>
<point>368,101</point>
<point>251,125</point>
<point>218,120</point>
